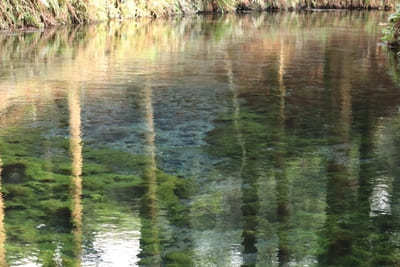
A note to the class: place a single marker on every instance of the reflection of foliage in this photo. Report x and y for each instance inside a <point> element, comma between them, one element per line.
<point>286,166</point>
<point>327,211</point>
<point>392,32</point>
<point>288,214</point>
<point>145,39</point>
<point>394,67</point>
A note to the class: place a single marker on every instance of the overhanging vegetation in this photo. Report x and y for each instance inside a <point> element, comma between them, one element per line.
<point>16,14</point>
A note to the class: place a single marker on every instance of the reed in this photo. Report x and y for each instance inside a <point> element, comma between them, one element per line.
<point>22,14</point>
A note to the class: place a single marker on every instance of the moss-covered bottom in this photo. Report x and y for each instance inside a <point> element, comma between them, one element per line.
<point>41,220</point>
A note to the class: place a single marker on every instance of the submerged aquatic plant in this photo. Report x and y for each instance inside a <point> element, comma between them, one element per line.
<point>40,203</point>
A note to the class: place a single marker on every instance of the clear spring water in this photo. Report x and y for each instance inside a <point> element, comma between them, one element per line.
<point>243,140</point>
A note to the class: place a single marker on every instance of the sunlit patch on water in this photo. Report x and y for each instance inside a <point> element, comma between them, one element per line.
<point>236,255</point>
<point>29,261</point>
<point>113,247</point>
<point>380,198</point>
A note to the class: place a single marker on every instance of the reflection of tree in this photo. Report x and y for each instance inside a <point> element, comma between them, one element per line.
<point>272,135</point>
<point>355,234</point>
<point>367,173</point>
<point>250,208</point>
<point>380,174</point>
<point>279,158</point>
<point>339,226</point>
<point>150,241</point>
<point>76,179</point>
<point>391,224</point>
<point>249,190</point>
<point>2,230</point>
<point>375,217</point>
<point>339,172</point>
<point>377,220</point>
<point>248,176</point>
<point>162,192</point>
<point>393,229</point>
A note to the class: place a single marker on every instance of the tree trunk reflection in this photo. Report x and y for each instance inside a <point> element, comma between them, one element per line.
<point>76,179</point>
<point>2,229</point>
<point>282,183</point>
<point>150,241</point>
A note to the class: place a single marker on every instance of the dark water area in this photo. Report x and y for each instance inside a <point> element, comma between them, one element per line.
<point>239,140</point>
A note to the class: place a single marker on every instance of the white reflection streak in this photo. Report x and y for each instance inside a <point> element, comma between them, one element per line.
<point>380,198</point>
<point>236,256</point>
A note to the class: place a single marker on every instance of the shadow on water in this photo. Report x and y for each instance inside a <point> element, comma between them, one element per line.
<point>252,140</point>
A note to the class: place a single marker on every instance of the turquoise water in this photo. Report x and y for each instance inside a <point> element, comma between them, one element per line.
<point>239,140</point>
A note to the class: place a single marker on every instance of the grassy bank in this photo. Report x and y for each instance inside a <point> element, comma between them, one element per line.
<point>17,14</point>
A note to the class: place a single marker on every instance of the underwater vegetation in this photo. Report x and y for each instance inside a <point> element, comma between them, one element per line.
<point>298,189</point>
<point>310,187</point>
<point>297,158</point>
<point>41,220</point>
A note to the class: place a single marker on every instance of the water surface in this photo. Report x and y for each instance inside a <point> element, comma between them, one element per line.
<point>253,140</point>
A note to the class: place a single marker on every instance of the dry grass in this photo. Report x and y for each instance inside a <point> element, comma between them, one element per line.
<point>16,14</point>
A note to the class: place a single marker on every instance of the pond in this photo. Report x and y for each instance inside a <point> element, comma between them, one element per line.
<point>266,139</point>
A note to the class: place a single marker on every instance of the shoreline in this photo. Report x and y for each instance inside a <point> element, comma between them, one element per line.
<point>31,29</point>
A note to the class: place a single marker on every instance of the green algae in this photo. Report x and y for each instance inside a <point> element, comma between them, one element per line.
<point>179,258</point>
<point>36,191</point>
